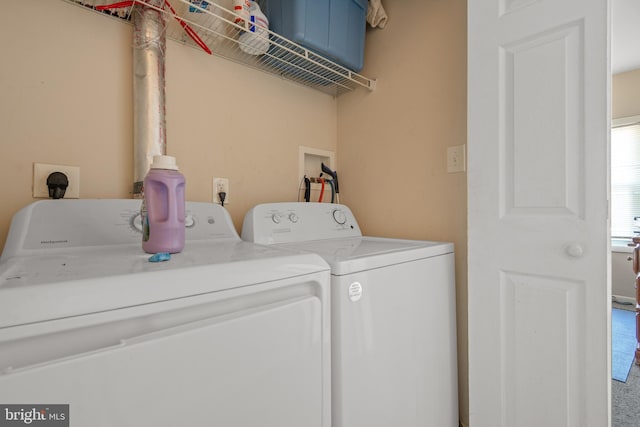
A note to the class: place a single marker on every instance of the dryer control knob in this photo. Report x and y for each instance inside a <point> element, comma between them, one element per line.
<point>339,216</point>
<point>136,222</point>
<point>275,218</point>
<point>293,217</point>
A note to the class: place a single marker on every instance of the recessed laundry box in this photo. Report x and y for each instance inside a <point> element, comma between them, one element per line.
<point>333,28</point>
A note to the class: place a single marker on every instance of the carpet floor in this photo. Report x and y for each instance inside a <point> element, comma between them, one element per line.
<point>625,397</point>
<point>625,400</point>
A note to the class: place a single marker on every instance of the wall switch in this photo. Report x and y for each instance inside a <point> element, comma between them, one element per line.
<point>41,172</point>
<point>220,185</point>
<point>456,159</point>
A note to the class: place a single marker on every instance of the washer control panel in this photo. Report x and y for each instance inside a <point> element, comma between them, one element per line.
<point>298,222</point>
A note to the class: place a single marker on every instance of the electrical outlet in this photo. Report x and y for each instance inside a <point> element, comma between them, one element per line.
<point>42,171</point>
<point>220,185</point>
<point>456,159</point>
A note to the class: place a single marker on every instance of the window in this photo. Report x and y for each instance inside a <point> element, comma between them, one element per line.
<point>625,176</point>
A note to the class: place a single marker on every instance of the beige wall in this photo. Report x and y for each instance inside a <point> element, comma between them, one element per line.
<point>65,98</point>
<point>625,94</point>
<point>392,142</point>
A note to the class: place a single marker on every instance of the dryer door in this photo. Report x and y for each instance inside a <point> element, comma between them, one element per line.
<point>260,364</point>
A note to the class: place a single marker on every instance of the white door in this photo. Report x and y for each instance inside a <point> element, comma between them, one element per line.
<point>538,125</point>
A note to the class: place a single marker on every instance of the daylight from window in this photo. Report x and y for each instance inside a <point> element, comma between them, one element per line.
<point>625,180</point>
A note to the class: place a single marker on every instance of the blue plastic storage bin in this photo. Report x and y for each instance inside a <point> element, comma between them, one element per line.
<point>332,28</point>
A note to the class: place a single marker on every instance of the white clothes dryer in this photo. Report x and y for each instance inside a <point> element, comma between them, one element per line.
<point>225,333</point>
<point>394,358</point>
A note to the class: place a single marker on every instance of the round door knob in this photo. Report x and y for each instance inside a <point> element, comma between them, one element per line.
<point>575,250</point>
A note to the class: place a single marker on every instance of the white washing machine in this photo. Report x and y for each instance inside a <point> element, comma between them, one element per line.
<point>226,333</point>
<point>394,358</point>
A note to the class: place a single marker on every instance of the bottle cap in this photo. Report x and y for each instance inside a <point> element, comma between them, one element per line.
<point>164,162</point>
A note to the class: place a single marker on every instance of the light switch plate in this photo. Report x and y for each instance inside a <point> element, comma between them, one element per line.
<point>41,172</point>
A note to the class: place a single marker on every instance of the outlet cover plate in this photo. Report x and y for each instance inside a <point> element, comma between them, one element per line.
<point>41,172</point>
<point>220,184</point>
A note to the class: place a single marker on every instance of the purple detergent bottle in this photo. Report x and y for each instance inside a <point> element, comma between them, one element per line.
<point>163,207</point>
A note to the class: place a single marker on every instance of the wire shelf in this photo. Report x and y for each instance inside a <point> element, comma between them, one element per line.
<point>210,26</point>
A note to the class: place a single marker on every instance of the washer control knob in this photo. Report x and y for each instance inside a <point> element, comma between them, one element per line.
<point>189,221</point>
<point>275,218</point>
<point>339,216</point>
<point>293,217</point>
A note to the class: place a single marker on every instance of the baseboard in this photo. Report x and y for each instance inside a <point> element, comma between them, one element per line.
<point>623,300</point>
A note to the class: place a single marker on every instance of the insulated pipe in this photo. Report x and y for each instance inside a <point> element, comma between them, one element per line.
<point>149,130</point>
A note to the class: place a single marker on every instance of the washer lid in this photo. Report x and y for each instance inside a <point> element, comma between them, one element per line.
<point>71,282</point>
<point>354,254</point>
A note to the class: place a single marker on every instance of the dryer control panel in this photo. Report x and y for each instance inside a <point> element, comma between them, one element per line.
<point>50,225</point>
<point>291,222</point>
